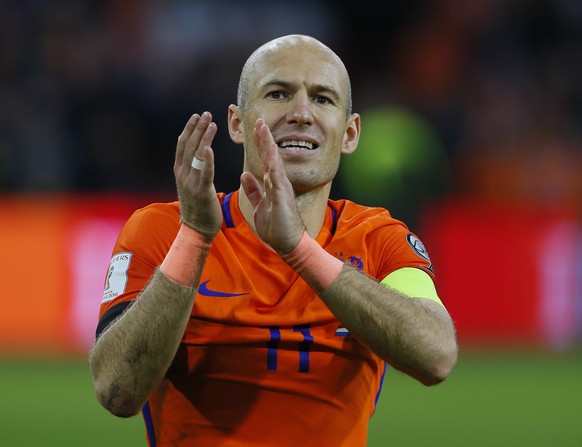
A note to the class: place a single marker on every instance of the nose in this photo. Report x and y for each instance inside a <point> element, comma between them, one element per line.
<point>299,110</point>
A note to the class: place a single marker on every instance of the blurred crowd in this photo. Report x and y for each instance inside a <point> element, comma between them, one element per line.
<point>94,94</point>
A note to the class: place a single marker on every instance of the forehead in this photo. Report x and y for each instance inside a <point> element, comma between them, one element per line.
<point>298,63</point>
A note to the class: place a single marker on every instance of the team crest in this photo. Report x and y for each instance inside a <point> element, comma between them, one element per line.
<point>353,260</point>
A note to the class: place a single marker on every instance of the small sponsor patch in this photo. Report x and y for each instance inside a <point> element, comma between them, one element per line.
<point>417,246</point>
<point>116,280</point>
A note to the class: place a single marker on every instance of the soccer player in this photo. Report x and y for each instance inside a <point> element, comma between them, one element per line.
<point>266,317</point>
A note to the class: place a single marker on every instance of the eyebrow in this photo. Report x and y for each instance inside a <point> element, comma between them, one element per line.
<point>320,88</point>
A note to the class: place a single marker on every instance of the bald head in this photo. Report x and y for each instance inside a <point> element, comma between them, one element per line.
<point>267,55</point>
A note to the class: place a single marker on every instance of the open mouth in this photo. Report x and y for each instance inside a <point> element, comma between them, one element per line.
<point>297,144</point>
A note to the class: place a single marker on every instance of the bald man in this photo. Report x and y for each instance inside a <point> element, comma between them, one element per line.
<point>267,316</point>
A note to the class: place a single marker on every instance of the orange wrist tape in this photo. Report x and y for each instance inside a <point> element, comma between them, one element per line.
<point>317,267</point>
<point>182,262</point>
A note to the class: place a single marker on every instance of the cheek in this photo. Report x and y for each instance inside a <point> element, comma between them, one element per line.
<point>252,162</point>
<point>329,166</point>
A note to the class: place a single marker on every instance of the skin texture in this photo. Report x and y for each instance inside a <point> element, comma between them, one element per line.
<point>294,89</point>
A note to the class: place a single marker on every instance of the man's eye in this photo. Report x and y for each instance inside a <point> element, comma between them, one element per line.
<point>321,100</point>
<point>276,95</point>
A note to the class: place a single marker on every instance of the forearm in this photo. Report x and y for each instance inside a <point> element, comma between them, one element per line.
<point>414,335</point>
<point>131,357</point>
<point>133,354</point>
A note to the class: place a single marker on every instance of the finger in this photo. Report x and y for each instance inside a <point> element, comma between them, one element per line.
<point>194,140</point>
<point>252,188</point>
<point>203,159</point>
<point>266,146</point>
<point>275,175</point>
<point>205,141</point>
<point>206,154</point>
<point>267,184</point>
<point>257,141</point>
<point>184,136</point>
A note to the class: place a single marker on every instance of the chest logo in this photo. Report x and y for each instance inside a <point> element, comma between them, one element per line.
<point>205,291</point>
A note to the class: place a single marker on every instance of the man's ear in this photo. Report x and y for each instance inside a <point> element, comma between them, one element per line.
<point>352,135</point>
<point>235,124</point>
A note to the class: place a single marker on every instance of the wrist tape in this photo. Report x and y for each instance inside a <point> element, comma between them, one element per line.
<point>317,267</point>
<point>182,262</point>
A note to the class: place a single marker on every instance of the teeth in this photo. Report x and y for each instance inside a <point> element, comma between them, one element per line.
<point>296,143</point>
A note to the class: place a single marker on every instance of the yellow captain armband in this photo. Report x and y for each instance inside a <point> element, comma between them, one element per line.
<point>412,282</point>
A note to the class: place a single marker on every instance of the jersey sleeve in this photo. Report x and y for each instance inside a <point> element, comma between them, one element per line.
<point>397,247</point>
<point>140,248</point>
<point>404,263</point>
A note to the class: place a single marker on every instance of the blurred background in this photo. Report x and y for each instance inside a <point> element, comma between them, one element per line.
<point>471,134</point>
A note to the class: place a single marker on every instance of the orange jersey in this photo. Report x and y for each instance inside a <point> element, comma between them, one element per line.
<point>263,361</point>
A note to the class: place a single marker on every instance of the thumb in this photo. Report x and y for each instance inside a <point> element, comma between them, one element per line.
<point>252,188</point>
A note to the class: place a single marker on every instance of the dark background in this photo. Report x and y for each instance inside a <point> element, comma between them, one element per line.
<point>94,94</point>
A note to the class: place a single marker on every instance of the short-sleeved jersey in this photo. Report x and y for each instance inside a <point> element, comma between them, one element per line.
<point>263,361</point>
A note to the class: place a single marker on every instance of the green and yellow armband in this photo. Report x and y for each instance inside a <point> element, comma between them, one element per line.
<point>412,282</point>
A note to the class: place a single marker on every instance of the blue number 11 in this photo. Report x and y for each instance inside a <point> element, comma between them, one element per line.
<point>273,346</point>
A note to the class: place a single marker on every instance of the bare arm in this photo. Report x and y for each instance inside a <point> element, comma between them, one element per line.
<point>132,355</point>
<point>415,335</point>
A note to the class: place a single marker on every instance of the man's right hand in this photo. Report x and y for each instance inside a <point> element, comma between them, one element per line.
<point>200,208</point>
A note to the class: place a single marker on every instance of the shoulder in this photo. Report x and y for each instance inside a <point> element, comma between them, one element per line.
<point>388,242</point>
<point>153,222</point>
<point>158,212</point>
<point>351,215</point>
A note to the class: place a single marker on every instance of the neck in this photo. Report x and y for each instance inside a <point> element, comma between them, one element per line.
<point>312,207</point>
